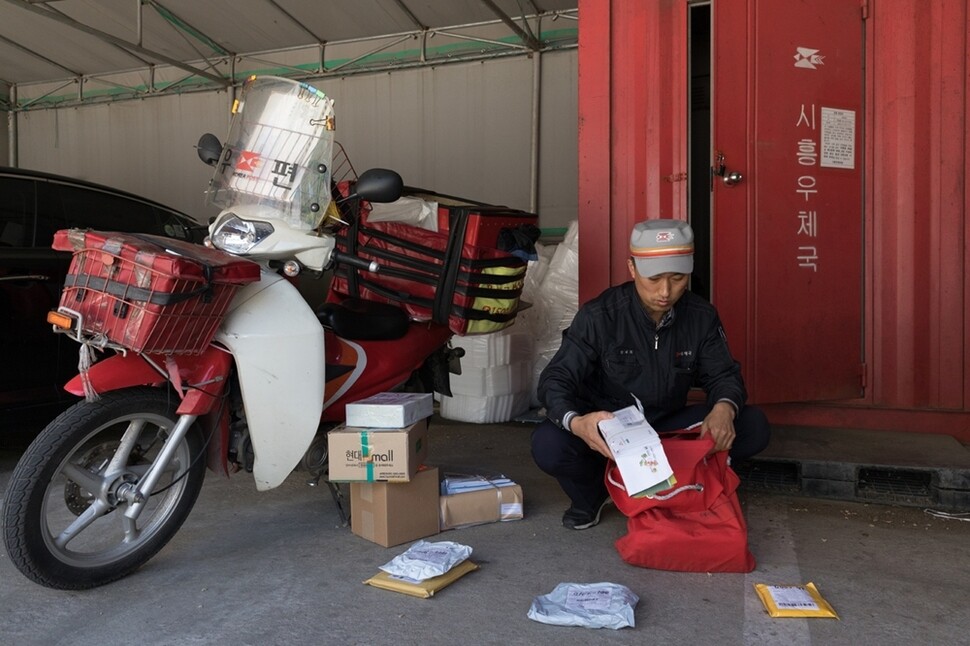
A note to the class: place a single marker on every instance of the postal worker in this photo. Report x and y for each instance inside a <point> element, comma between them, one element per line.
<point>652,339</point>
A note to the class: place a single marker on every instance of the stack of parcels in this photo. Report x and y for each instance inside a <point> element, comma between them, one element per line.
<point>495,383</point>
<point>473,499</point>
<point>381,452</point>
<point>424,568</point>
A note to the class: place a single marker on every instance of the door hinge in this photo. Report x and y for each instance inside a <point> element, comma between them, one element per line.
<point>863,376</point>
<point>864,5</point>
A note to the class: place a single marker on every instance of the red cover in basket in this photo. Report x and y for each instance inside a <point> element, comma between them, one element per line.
<point>186,260</point>
<point>148,293</point>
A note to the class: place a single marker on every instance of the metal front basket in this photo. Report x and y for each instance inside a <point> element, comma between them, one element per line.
<point>120,302</point>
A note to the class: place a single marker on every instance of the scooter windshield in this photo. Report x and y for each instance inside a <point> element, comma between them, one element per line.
<point>278,154</point>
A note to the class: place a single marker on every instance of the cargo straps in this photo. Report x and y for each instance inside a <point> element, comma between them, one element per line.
<point>127,292</point>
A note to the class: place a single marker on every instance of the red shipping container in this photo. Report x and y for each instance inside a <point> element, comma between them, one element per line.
<point>149,293</point>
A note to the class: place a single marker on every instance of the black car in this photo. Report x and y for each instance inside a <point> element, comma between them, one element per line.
<point>35,362</point>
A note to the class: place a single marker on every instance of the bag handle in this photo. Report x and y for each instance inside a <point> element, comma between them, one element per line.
<point>697,486</point>
<point>609,476</point>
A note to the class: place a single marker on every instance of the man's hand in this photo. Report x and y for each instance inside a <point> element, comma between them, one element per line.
<point>587,428</point>
<point>720,424</point>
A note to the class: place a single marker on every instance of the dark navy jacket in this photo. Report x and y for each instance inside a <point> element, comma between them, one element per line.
<point>612,348</point>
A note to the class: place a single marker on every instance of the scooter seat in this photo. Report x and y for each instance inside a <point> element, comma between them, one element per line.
<point>363,320</point>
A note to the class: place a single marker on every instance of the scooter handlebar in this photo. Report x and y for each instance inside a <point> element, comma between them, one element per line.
<point>342,258</point>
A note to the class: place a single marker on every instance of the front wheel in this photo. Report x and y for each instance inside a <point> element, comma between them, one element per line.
<point>64,523</point>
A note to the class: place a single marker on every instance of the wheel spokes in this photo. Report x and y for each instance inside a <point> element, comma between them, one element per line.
<point>119,461</point>
<point>97,484</point>
<point>129,528</point>
<point>97,509</point>
<point>85,479</point>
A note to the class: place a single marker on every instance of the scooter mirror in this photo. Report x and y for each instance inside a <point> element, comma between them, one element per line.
<point>379,185</point>
<point>209,149</point>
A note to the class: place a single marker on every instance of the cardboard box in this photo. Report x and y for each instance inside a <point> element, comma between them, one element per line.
<point>390,410</point>
<point>377,454</point>
<point>394,513</point>
<point>479,507</point>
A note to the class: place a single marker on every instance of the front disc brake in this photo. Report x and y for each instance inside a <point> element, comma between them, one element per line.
<point>95,460</point>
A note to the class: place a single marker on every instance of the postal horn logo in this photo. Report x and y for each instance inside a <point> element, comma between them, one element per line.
<point>808,58</point>
<point>664,236</point>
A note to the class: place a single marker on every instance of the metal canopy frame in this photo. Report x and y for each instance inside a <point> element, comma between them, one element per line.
<point>219,71</point>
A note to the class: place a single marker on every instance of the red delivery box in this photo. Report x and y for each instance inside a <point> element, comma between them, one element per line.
<point>149,293</point>
<point>433,275</point>
<point>477,223</point>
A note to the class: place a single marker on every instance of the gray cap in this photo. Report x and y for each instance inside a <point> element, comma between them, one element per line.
<point>662,246</point>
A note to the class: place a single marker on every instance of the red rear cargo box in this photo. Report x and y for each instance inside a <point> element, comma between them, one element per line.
<point>482,223</point>
<point>434,276</point>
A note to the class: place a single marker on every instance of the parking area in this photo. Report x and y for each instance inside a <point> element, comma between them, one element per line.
<point>278,567</point>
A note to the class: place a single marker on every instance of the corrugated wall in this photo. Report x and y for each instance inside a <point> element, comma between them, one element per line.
<point>145,147</point>
<point>462,129</point>
<point>632,139</point>
<point>918,74</point>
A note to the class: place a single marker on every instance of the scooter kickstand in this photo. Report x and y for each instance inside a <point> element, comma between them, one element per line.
<point>338,498</point>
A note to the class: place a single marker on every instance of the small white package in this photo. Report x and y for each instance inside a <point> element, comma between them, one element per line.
<point>424,560</point>
<point>591,605</point>
<point>389,410</point>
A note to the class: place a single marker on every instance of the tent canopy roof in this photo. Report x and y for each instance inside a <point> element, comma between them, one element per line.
<point>52,40</point>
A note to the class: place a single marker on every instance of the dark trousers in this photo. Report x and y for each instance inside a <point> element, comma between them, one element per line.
<point>580,470</point>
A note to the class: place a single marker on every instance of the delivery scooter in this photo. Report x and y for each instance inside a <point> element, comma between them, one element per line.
<point>214,357</point>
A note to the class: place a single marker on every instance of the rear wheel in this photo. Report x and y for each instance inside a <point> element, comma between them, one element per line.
<point>64,523</point>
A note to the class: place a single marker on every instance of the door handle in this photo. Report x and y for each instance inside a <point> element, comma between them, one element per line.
<point>729,177</point>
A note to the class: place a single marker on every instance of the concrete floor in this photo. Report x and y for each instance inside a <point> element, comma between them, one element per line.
<point>278,568</point>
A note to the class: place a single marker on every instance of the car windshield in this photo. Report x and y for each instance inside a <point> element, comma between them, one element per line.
<point>278,153</point>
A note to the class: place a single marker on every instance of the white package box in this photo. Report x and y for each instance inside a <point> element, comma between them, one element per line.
<point>390,410</point>
<point>485,410</point>
<point>493,380</point>
<point>498,348</point>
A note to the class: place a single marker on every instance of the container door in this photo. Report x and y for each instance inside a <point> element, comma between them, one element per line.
<point>786,191</point>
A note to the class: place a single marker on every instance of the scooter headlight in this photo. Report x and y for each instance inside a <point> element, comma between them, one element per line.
<point>238,236</point>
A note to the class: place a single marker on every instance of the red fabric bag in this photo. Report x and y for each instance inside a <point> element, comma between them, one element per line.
<point>697,525</point>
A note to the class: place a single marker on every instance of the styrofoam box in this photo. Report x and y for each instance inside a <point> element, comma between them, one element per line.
<point>496,349</point>
<point>494,380</point>
<point>484,410</point>
<point>390,410</point>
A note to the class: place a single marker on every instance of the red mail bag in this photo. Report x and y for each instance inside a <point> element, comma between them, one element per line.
<point>695,526</point>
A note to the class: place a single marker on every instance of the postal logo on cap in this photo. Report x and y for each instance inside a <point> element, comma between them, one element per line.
<point>664,236</point>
